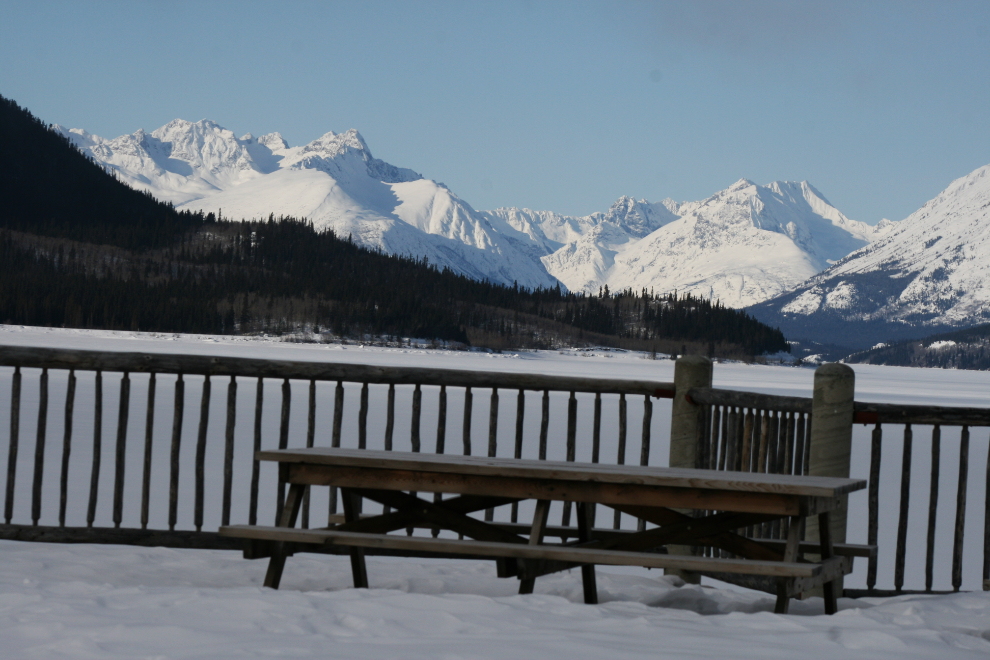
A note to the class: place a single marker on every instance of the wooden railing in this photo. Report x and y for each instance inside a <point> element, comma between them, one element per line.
<point>97,365</point>
<point>936,417</point>
<point>752,432</point>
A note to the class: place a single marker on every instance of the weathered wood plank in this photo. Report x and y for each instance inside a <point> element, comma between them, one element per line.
<point>310,441</point>
<point>638,475</point>
<point>149,429</point>
<point>873,503</point>
<point>747,442</point>
<point>932,506</point>
<point>799,445</point>
<point>363,418</point>
<point>718,397</point>
<point>228,450</point>
<point>526,551</point>
<point>902,521</point>
<point>466,428</point>
<point>121,450</point>
<point>259,398</point>
<point>895,413</point>
<point>957,542</point>
<point>53,358</point>
<point>610,494</point>
<point>94,476</point>
<point>204,422</point>
<point>39,447</point>
<point>173,480</point>
<point>492,438</point>
<point>620,458</point>
<point>15,429</point>
<point>70,398</point>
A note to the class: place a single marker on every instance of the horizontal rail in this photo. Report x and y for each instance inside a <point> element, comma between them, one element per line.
<point>60,358</point>
<point>893,413</point>
<point>709,396</point>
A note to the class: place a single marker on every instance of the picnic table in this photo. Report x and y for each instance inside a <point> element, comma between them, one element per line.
<point>689,508</point>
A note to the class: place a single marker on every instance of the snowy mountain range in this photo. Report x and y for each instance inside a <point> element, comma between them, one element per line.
<point>929,273</point>
<point>743,245</point>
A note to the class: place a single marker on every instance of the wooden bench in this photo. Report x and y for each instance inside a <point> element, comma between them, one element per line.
<point>722,502</point>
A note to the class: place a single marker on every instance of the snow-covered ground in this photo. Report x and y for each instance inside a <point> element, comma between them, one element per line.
<point>119,602</point>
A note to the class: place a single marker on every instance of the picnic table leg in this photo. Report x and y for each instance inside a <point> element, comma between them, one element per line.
<point>585,514</point>
<point>286,519</point>
<point>352,511</point>
<point>794,530</point>
<point>825,539</point>
<point>535,538</point>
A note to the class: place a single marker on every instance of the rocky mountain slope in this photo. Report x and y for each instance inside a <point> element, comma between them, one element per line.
<point>929,273</point>
<point>742,245</point>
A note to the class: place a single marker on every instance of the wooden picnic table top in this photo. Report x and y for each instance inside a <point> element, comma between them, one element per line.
<point>630,475</point>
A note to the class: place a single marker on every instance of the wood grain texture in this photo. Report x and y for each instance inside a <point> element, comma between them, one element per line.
<point>600,473</point>
<point>489,548</point>
<point>57,358</point>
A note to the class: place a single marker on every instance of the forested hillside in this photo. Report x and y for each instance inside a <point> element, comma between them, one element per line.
<point>80,249</point>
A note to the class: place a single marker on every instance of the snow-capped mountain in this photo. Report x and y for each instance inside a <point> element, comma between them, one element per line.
<point>743,245</point>
<point>333,181</point>
<point>930,272</point>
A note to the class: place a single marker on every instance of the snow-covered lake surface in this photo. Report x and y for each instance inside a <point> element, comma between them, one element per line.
<point>120,602</point>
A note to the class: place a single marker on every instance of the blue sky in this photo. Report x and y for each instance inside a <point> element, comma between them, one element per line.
<point>559,106</point>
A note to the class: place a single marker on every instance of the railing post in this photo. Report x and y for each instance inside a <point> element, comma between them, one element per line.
<point>831,440</point>
<point>689,371</point>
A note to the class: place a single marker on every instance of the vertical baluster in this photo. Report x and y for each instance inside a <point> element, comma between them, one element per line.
<point>70,398</point>
<point>39,448</point>
<point>545,425</point>
<point>466,429</point>
<point>986,525</point>
<point>761,455</point>
<point>492,439</point>
<point>228,450</point>
<point>732,440</point>
<point>957,543</point>
<point>259,399</point>
<point>807,446</point>
<point>747,442</point>
<point>644,449</point>
<point>620,459</point>
<point>15,429</point>
<point>704,429</point>
<point>596,429</point>
<point>714,437</point>
<point>724,437</point>
<point>785,423</point>
<point>310,441</point>
<point>149,428</point>
<point>789,447</point>
<point>204,421</point>
<point>873,503</point>
<point>520,414</point>
<point>173,481</point>
<point>441,442</point>
<point>363,418</point>
<point>390,414</point>
<point>571,448</point>
<point>118,480</point>
<point>94,477</point>
<point>283,442</point>
<point>417,407</point>
<point>799,447</point>
<point>338,419</point>
<point>932,506</point>
<point>740,439</point>
<point>903,518</point>
<point>767,528</point>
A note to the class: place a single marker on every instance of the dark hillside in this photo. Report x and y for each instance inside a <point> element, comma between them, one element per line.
<point>79,248</point>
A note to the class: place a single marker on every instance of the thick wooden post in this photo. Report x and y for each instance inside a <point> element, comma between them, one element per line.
<point>689,371</point>
<point>831,442</point>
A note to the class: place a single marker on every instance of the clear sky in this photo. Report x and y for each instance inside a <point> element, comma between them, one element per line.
<point>560,106</point>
